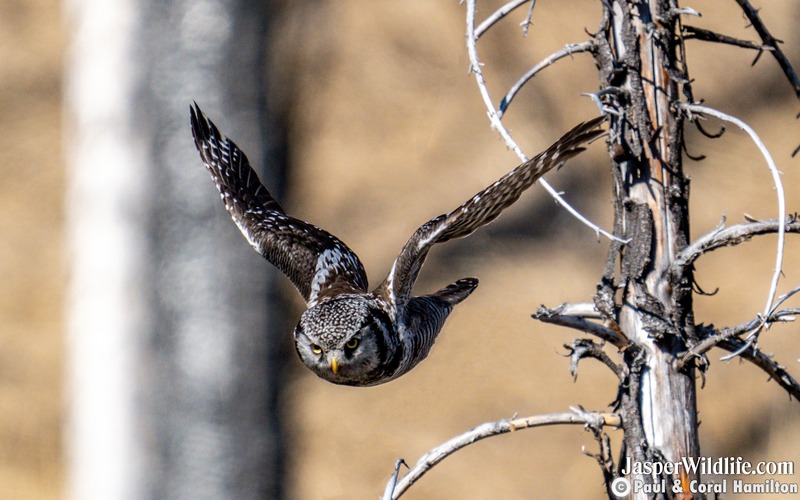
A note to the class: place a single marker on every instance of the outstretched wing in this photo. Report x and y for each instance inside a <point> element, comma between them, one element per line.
<point>316,262</point>
<point>479,210</point>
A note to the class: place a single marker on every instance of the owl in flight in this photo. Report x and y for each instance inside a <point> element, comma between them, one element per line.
<point>350,335</point>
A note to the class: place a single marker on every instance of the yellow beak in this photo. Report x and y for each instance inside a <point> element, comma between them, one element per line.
<point>335,366</point>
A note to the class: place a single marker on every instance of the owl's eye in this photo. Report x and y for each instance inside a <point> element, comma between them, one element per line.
<point>316,349</point>
<point>351,344</point>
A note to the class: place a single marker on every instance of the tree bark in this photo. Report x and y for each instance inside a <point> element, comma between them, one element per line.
<point>638,58</point>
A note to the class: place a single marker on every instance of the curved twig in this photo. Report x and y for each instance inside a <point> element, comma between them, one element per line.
<point>433,457</point>
<point>498,15</point>
<point>570,318</point>
<point>494,119</point>
<point>713,337</point>
<point>726,334</point>
<point>526,24</point>
<point>392,484</point>
<point>588,348</point>
<point>722,236</point>
<point>567,50</point>
<point>710,135</point>
<point>776,371</point>
<point>705,110</point>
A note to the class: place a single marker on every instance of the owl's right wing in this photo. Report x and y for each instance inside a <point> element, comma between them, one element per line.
<point>479,210</point>
<point>316,262</point>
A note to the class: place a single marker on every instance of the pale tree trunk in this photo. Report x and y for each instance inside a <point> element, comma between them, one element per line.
<point>652,308</point>
<point>175,333</point>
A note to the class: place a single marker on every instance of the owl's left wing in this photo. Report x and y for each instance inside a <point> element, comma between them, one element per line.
<point>317,263</point>
<point>479,210</point>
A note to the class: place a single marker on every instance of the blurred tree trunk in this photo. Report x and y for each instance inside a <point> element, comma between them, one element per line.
<point>176,335</point>
<point>652,308</point>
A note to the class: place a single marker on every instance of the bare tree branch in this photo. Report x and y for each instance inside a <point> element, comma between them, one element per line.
<point>526,24</point>
<point>726,339</point>
<point>715,135</point>
<point>581,309</point>
<point>730,236</point>
<point>494,119</point>
<point>711,36</point>
<point>776,275</point>
<point>500,14</point>
<point>766,322</point>
<point>768,39</point>
<point>390,486</point>
<point>567,50</point>
<point>776,371</point>
<point>561,316</point>
<point>604,459</point>
<point>715,337</point>
<point>587,348</point>
<point>436,455</point>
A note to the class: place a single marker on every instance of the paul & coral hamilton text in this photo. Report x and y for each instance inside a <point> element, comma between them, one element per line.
<point>704,467</point>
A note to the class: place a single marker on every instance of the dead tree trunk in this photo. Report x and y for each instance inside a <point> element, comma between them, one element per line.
<point>638,47</point>
<point>643,303</point>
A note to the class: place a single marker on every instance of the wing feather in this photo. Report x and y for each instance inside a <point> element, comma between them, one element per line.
<point>316,262</point>
<point>479,210</point>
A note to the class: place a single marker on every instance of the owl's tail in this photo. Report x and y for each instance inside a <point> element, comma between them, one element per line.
<point>458,291</point>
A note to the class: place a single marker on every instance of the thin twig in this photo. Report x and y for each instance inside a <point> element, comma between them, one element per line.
<point>560,316</point>
<point>684,11</point>
<point>475,67</point>
<point>587,348</point>
<point>786,296</point>
<point>494,120</point>
<point>581,309</point>
<point>436,455</point>
<point>723,236</point>
<point>604,458</point>
<point>712,36</point>
<point>776,371</point>
<point>776,177</point>
<point>526,24</point>
<point>716,337</point>
<point>390,486</point>
<point>715,135</point>
<point>768,39</point>
<point>567,50</point>
<point>498,15</point>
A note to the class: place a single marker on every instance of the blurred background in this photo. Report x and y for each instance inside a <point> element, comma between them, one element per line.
<point>145,349</point>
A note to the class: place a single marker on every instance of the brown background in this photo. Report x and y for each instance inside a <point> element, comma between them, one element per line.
<point>390,131</point>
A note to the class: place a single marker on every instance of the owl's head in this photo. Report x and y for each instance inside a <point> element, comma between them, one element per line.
<point>344,340</point>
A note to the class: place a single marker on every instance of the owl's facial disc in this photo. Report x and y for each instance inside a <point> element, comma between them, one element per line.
<point>336,361</point>
<point>317,350</point>
<point>337,340</point>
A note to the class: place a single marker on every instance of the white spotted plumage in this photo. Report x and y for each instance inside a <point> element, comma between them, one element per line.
<point>331,262</point>
<point>349,335</point>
